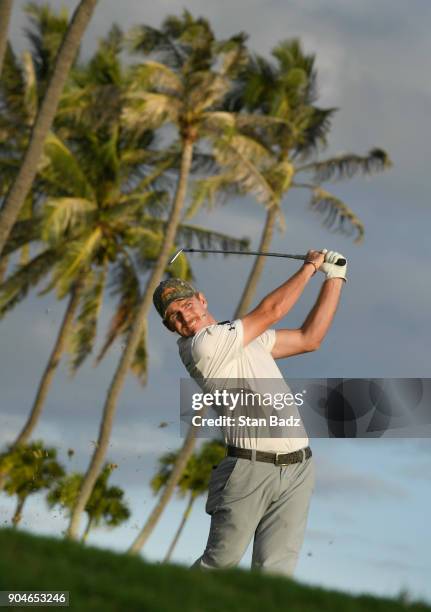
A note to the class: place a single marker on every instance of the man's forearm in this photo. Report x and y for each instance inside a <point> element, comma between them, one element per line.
<point>317,323</point>
<point>281,300</point>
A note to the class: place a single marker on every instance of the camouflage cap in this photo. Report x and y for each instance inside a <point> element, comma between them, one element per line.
<point>170,290</point>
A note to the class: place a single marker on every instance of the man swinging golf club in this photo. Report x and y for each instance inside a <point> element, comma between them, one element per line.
<point>262,488</point>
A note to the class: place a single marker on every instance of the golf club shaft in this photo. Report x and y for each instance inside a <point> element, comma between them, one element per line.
<point>339,262</point>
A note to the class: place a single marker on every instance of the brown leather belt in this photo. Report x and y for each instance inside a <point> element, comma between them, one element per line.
<point>277,458</point>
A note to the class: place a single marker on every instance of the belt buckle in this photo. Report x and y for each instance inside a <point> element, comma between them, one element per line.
<point>276,459</point>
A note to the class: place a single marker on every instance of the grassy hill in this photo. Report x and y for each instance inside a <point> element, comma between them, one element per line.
<point>101,580</point>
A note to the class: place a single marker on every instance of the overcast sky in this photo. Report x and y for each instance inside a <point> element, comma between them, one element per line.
<point>367,529</point>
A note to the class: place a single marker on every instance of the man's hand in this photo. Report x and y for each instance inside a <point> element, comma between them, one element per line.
<point>316,258</point>
<point>330,268</point>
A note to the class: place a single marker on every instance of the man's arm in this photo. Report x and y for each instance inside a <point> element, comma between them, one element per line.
<point>309,336</point>
<point>277,304</point>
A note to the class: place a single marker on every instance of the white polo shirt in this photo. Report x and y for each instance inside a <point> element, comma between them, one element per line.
<point>217,352</point>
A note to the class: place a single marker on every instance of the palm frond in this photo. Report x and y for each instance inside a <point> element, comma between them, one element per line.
<point>76,256</point>
<point>194,235</point>
<point>46,34</point>
<point>147,110</point>
<point>337,214</point>
<point>158,169</point>
<point>252,86</point>
<point>188,235</point>
<point>313,132</point>
<point>63,214</point>
<point>127,211</point>
<point>290,55</point>
<point>85,328</point>
<point>155,74</point>
<point>30,91</point>
<point>139,365</point>
<point>125,284</point>
<point>180,268</point>
<point>152,202</point>
<point>60,167</point>
<point>24,256</point>
<point>105,68</point>
<point>291,59</point>
<point>208,190</point>
<point>346,166</point>
<point>203,162</point>
<point>279,175</point>
<point>147,40</point>
<point>16,286</point>
<point>218,121</point>
<point>23,232</point>
<point>234,55</point>
<point>245,159</point>
<point>249,121</point>
<point>4,264</point>
<point>206,89</point>
<point>12,89</point>
<point>146,241</point>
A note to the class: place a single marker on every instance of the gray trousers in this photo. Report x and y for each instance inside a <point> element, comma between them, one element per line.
<point>248,499</point>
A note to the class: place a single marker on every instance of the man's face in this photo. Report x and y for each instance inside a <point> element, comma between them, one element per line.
<point>187,316</point>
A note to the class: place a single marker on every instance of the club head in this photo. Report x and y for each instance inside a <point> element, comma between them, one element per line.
<point>175,256</point>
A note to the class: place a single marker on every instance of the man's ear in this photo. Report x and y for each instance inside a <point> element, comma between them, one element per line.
<point>202,298</point>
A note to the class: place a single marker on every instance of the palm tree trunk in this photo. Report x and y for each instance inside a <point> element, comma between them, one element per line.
<point>18,511</point>
<point>5,13</point>
<point>163,500</point>
<point>180,528</point>
<point>87,530</point>
<point>54,360</point>
<point>132,342</point>
<point>188,445</point>
<point>259,263</point>
<point>45,116</point>
<point>49,372</point>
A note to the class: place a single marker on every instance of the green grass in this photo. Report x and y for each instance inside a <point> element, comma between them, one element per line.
<point>101,580</point>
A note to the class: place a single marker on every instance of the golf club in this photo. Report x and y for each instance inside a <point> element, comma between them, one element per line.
<point>339,262</point>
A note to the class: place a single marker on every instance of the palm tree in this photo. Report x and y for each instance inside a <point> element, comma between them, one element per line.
<point>287,91</point>
<point>184,92</point>
<point>31,468</point>
<point>101,208</point>
<point>105,506</point>
<point>22,86</point>
<point>71,181</point>
<point>288,94</point>
<point>173,478</point>
<point>5,13</point>
<point>194,480</point>
<point>45,116</point>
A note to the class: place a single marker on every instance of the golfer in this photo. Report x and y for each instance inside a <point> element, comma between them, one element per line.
<point>262,488</point>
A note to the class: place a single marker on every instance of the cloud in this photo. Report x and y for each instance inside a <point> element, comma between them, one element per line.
<point>396,565</point>
<point>335,480</point>
<point>143,440</point>
<point>11,425</point>
<point>417,470</point>
<point>335,537</point>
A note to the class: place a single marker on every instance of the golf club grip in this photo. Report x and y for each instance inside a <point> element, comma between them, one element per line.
<point>340,262</point>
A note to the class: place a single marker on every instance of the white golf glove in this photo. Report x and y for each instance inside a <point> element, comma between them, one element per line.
<point>330,268</point>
